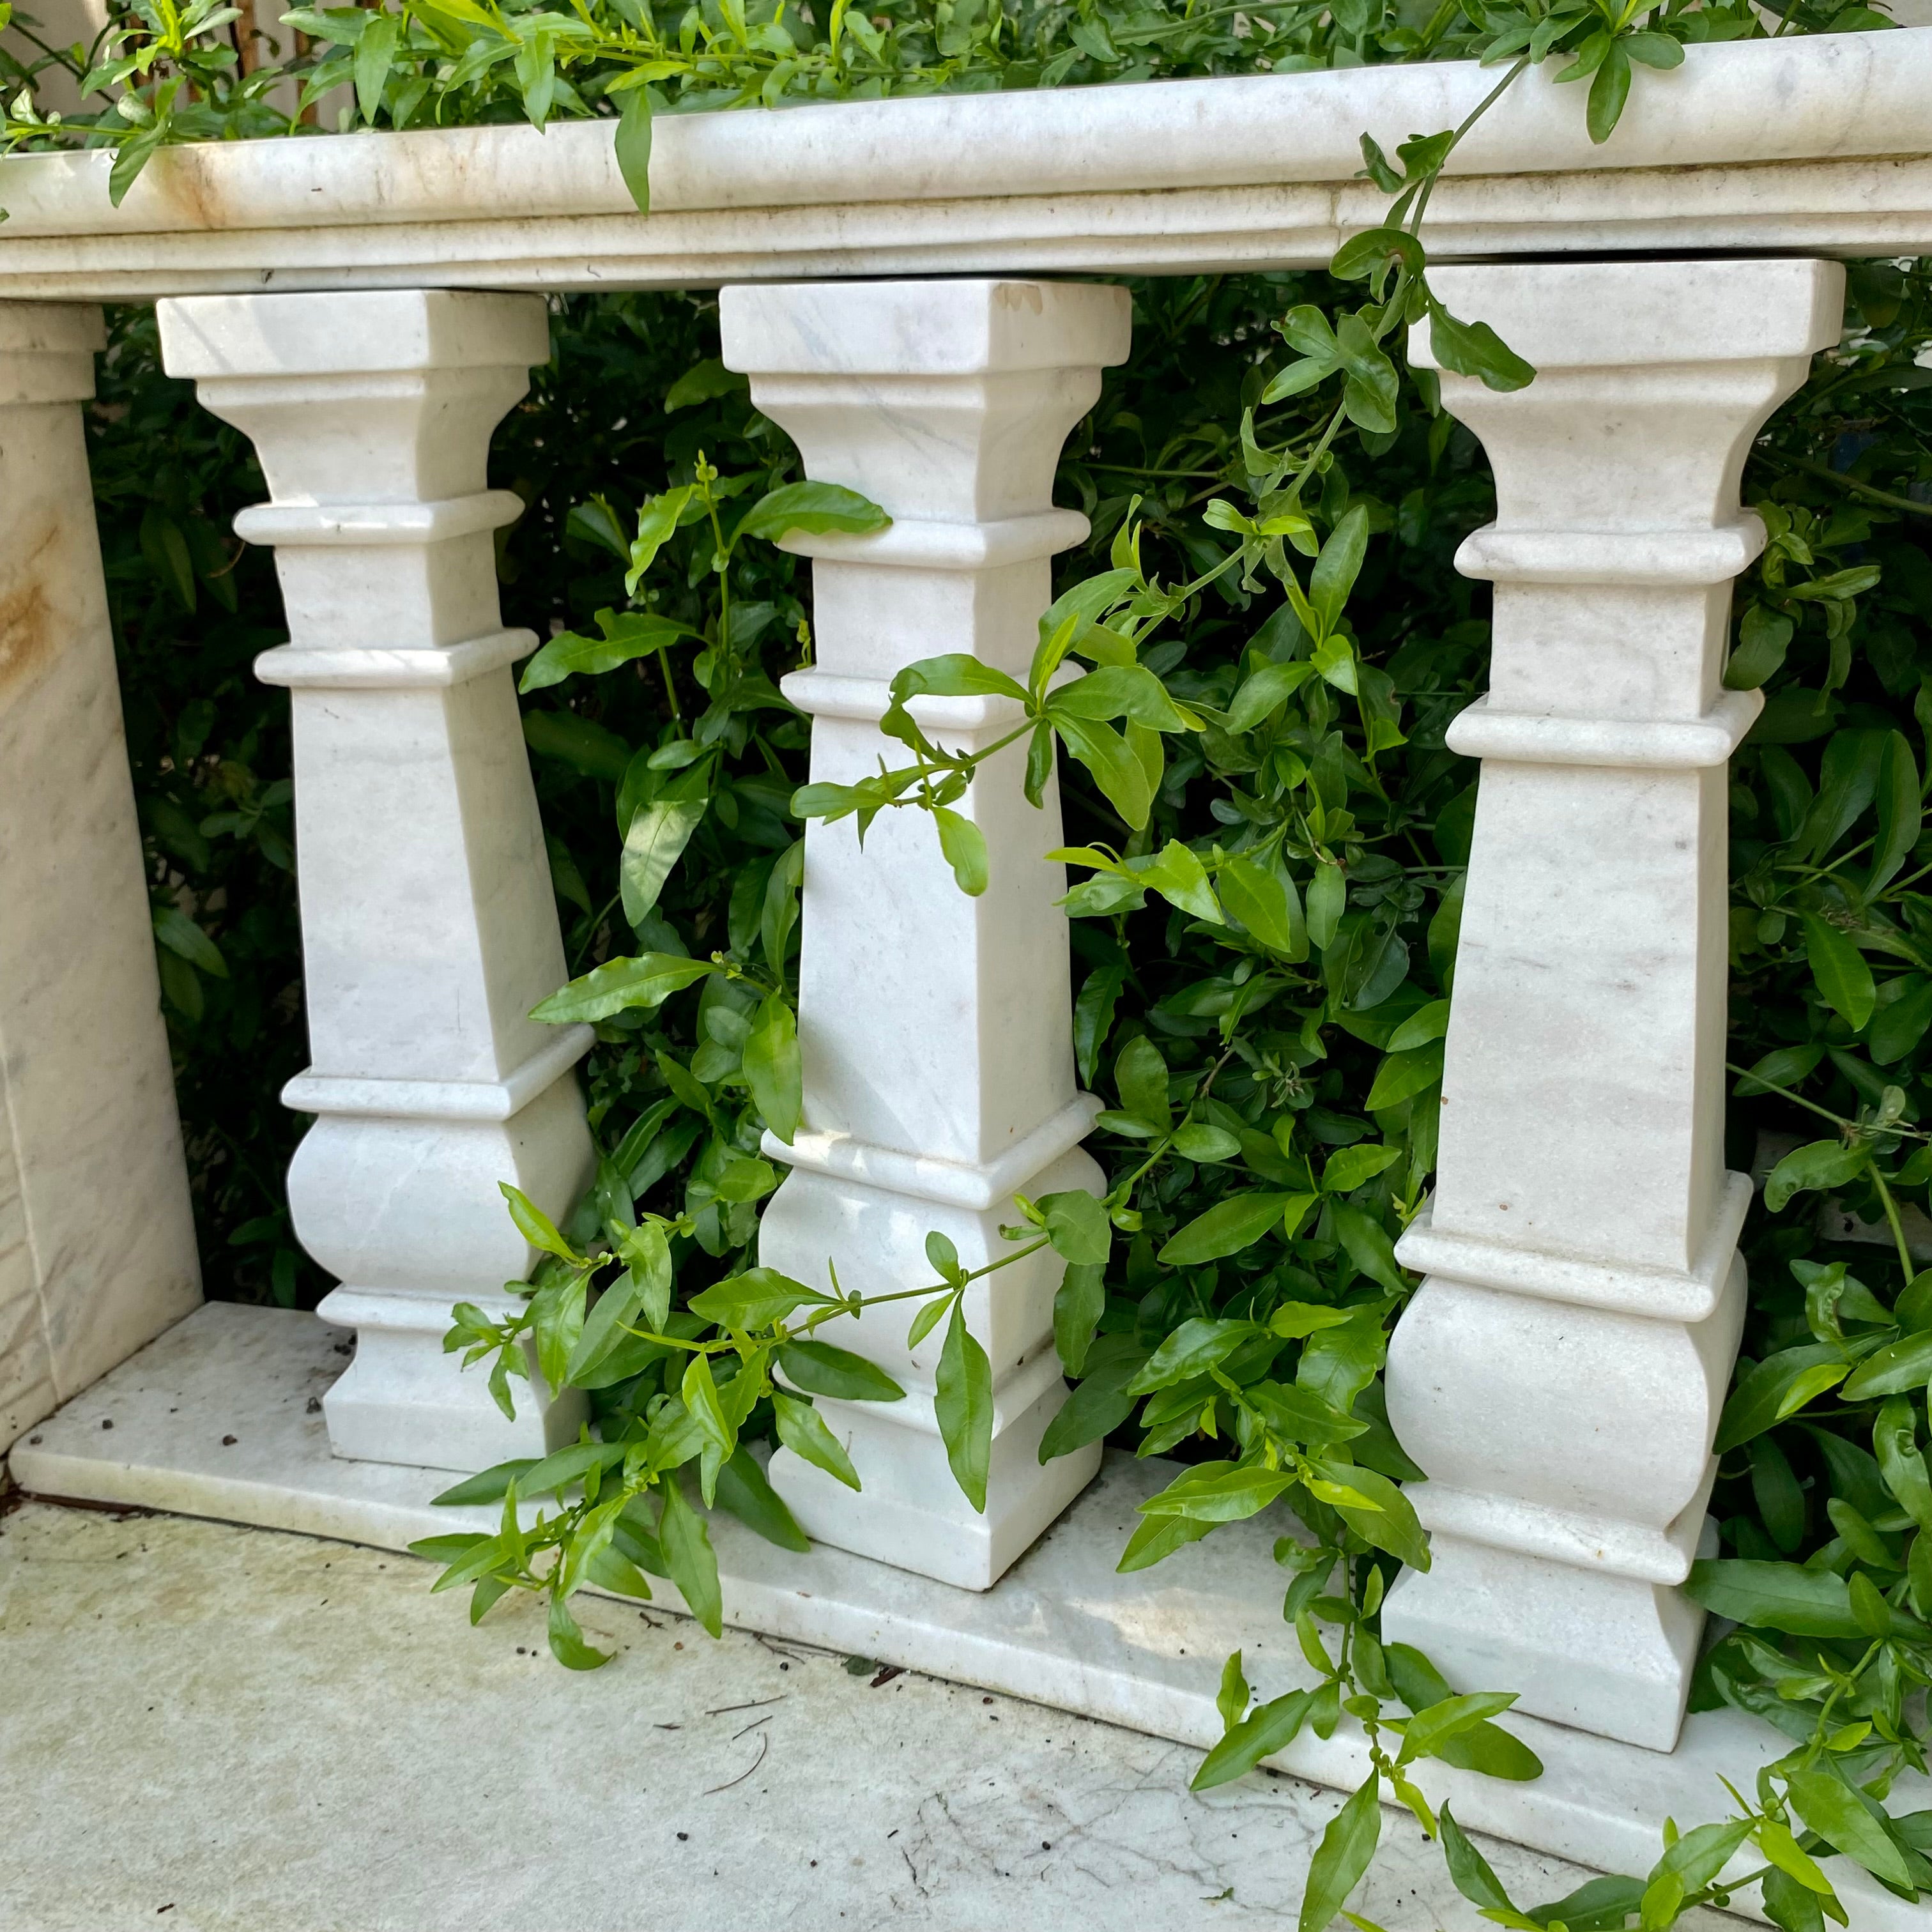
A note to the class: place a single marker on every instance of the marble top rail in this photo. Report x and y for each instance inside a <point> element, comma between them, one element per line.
<point>1819,146</point>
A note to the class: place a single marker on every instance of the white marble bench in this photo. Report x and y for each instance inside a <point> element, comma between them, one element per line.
<point>366,308</point>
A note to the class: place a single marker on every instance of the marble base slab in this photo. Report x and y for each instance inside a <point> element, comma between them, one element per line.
<point>221,1417</point>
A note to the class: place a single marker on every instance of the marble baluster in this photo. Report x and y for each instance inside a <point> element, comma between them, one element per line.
<point>1560,1373</point>
<point>935,1028</point>
<point>429,929</point>
<point>97,1235</point>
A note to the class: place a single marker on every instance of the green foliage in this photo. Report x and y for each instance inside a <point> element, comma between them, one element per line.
<point>1251,670</point>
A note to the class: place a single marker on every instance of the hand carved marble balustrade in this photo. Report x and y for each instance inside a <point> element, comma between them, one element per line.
<point>365,309</point>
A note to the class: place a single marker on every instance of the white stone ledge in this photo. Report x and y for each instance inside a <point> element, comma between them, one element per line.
<point>912,544</point>
<point>1062,1628</point>
<point>1637,1550</point>
<point>1662,744</point>
<point>372,668</point>
<point>924,1177</point>
<point>1819,144</point>
<point>823,693</point>
<point>312,1093</point>
<point>358,526</point>
<point>1662,1294</point>
<point>1667,559</point>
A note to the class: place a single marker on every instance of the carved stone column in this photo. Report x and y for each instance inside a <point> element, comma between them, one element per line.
<point>1560,1373</point>
<point>935,1028</point>
<point>429,929</point>
<point>97,1237</point>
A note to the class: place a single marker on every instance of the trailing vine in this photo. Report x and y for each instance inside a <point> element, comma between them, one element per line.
<point>1272,834</point>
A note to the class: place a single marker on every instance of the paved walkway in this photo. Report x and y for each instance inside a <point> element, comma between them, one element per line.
<point>215,1729</point>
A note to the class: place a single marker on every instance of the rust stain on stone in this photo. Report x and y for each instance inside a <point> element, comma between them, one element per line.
<point>27,639</point>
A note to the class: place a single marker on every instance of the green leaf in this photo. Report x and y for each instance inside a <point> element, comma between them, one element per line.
<point>1078,1306</point>
<point>1402,1076</point>
<point>585,747</point>
<point>1178,875</point>
<point>819,1369</point>
<point>534,1224</point>
<point>1100,1403</point>
<point>688,1554</point>
<point>1352,1167</point>
<point>1475,348</point>
<point>1365,254</point>
<point>1468,1870</point>
<point>633,141</point>
<point>1654,49</point>
<point>566,1640</point>
<point>659,517</point>
<point>1269,909</point>
<point>1844,979</point>
<point>744,1490</point>
<point>1327,896</point>
<point>802,1430</point>
<point>605,1327</point>
<point>618,986</point>
<point>703,382</point>
<point>1763,638</point>
<point>1783,1850</point>
<point>771,1066</point>
<point>1760,1393</point>
<point>955,674</point>
<point>1267,1728</point>
<point>1391,1524</point>
<point>752,1299</point>
<point>487,1486</point>
<point>1264,691</point>
<point>1140,1074</point>
<point>1436,1724</point>
<point>1225,1228</point>
<point>1119,775</point>
<point>1895,1443</point>
<point>375,49</point>
<point>1903,1365</point>
<point>1775,1596</point>
<point>1215,1493</point>
<point>812,507</point>
<point>963,1405</point>
<point>1192,1349</point>
<point>626,638</point>
<point>1832,1809</point>
<point>1231,1702</point>
<point>1077,1225</point>
<point>1338,566</point>
<point>1342,1857</point>
<point>658,834</point>
<point>181,935</point>
<point>569,1465</point>
<point>1818,1165</point>
<point>1609,88</point>
<point>963,846</point>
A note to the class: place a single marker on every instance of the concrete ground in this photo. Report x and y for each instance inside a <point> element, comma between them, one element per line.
<point>217,1729</point>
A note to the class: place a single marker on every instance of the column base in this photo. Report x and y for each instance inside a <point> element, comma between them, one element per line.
<point>403,1400</point>
<point>1608,1653</point>
<point>911,1513</point>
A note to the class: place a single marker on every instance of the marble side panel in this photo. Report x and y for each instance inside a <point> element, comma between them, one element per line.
<point>97,1238</point>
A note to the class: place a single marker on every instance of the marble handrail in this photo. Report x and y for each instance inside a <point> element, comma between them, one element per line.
<point>1820,144</point>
